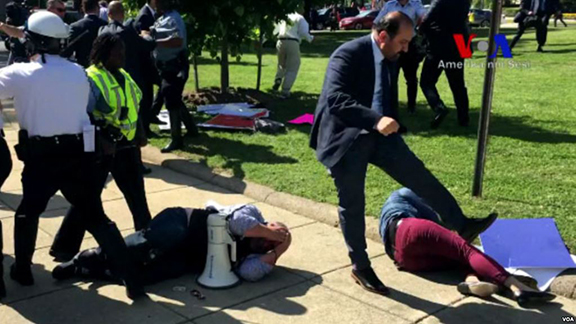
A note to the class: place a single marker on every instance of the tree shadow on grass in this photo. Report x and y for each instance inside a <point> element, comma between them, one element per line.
<point>235,153</point>
<point>504,126</point>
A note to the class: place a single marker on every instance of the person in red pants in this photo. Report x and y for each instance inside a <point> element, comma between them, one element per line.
<point>415,240</point>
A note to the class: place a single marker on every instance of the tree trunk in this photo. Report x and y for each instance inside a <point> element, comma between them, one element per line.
<point>224,73</point>
<point>260,45</point>
<point>196,81</point>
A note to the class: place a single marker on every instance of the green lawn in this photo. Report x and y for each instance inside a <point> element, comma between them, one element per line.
<point>531,169</point>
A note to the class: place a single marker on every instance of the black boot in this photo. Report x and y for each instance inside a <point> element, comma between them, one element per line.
<point>192,130</point>
<point>120,261</point>
<point>2,286</point>
<point>176,132</point>
<point>25,232</point>
<point>440,113</point>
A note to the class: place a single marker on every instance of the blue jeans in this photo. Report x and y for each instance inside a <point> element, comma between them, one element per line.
<point>394,157</point>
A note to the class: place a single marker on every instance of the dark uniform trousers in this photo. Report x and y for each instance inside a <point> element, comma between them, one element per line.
<point>393,156</point>
<point>431,72</point>
<point>5,168</point>
<point>174,77</point>
<point>124,166</point>
<point>409,63</point>
<point>53,164</point>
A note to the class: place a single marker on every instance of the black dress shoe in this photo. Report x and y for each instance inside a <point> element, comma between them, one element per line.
<point>368,280</point>
<point>540,49</point>
<point>22,275</point>
<point>441,113</point>
<point>174,145</point>
<point>64,271</point>
<point>157,121</point>
<point>134,290</point>
<point>61,256</point>
<point>526,298</point>
<point>474,227</point>
<point>411,110</point>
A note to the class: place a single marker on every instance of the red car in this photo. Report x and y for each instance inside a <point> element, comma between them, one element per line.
<point>364,20</point>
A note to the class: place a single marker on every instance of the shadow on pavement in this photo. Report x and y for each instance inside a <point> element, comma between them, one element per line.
<point>473,311</point>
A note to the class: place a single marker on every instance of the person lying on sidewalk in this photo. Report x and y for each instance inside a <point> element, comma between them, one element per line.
<point>415,241</point>
<point>176,242</point>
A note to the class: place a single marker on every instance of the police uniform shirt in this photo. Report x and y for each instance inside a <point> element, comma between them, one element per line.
<point>50,99</point>
<point>413,9</point>
<point>169,25</point>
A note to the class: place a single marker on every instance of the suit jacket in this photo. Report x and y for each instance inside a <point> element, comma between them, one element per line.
<point>137,49</point>
<point>145,19</point>
<point>343,109</point>
<point>444,19</point>
<point>552,6</point>
<point>82,36</point>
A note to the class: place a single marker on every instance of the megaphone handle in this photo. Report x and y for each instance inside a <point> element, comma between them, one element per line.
<point>233,256</point>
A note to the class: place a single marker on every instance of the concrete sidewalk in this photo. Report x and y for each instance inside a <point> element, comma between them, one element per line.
<point>311,285</point>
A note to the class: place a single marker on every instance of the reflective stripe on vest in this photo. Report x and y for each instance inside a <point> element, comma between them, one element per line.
<point>115,97</point>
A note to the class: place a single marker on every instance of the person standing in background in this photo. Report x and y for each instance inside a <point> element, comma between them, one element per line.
<point>103,10</point>
<point>171,56</point>
<point>84,32</point>
<point>444,19</point>
<point>290,32</point>
<point>409,62</point>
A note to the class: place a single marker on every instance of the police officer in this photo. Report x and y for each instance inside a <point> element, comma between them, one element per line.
<point>5,168</point>
<point>115,100</point>
<point>171,56</point>
<point>55,146</point>
<point>409,61</point>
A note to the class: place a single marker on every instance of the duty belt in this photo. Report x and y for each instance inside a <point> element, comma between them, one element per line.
<point>288,38</point>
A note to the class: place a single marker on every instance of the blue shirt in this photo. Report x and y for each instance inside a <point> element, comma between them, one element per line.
<point>404,203</point>
<point>413,9</point>
<point>170,25</point>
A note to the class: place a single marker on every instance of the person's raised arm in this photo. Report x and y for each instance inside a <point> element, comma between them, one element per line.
<point>12,31</point>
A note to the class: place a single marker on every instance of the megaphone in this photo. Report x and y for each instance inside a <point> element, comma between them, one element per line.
<point>218,272</point>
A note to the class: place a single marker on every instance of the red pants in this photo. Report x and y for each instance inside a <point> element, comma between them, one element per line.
<point>422,245</point>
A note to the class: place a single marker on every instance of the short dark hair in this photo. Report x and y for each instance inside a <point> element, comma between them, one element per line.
<point>103,46</point>
<point>391,23</point>
<point>90,5</point>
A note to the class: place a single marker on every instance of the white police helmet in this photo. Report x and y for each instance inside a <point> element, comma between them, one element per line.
<point>47,24</point>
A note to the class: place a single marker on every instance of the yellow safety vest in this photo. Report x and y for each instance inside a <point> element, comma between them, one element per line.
<point>116,97</point>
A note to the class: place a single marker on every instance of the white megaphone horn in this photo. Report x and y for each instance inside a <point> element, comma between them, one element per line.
<point>218,272</point>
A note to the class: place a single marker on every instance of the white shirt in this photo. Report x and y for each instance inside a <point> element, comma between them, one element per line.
<point>295,27</point>
<point>413,9</point>
<point>50,99</point>
<point>103,13</point>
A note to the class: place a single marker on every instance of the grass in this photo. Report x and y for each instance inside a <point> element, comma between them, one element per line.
<point>530,170</point>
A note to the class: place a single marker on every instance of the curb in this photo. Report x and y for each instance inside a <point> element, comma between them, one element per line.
<point>563,285</point>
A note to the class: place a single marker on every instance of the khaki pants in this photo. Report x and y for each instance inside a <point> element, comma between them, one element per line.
<point>288,64</point>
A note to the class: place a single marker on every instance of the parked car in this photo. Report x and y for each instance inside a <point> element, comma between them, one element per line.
<point>482,17</point>
<point>323,20</point>
<point>364,20</point>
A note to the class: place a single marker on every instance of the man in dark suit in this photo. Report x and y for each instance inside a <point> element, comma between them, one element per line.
<point>444,19</point>
<point>84,32</point>
<point>353,127</point>
<point>535,13</point>
<point>145,20</point>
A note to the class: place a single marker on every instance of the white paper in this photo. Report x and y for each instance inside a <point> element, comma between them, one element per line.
<point>165,117</point>
<point>89,135</point>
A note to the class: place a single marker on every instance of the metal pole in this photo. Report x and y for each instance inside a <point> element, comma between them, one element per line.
<point>487,96</point>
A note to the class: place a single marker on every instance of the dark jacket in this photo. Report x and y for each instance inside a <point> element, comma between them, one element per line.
<point>343,109</point>
<point>444,19</point>
<point>82,36</point>
<point>145,19</point>
<point>137,49</point>
<point>552,6</point>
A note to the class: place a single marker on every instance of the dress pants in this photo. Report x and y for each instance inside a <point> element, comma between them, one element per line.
<point>288,63</point>
<point>393,156</point>
<point>431,71</point>
<point>5,159</point>
<point>67,168</point>
<point>541,25</point>
<point>423,245</point>
<point>146,113</point>
<point>125,167</point>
